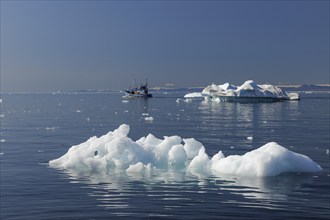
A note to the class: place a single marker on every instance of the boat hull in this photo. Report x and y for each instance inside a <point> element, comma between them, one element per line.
<point>132,96</point>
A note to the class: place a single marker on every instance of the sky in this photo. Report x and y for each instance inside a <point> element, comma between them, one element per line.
<point>71,45</point>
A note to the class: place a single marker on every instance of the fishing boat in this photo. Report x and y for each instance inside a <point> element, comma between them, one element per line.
<point>138,92</point>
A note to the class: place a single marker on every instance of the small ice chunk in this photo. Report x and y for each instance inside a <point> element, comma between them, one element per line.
<point>293,96</point>
<point>193,95</point>
<point>149,118</point>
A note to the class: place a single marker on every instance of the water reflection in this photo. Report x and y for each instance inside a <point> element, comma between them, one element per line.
<point>248,115</point>
<point>250,124</point>
<point>165,192</point>
<point>270,192</point>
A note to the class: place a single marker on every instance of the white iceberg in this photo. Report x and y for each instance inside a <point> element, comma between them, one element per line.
<point>248,91</point>
<point>116,151</point>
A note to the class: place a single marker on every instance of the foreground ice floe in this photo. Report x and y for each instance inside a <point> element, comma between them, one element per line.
<point>249,90</point>
<point>116,151</point>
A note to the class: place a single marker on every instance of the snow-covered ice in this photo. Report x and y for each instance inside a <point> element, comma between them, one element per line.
<point>194,95</point>
<point>249,89</point>
<point>116,151</point>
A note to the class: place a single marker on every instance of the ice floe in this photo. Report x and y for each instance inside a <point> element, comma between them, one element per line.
<point>194,95</point>
<point>248,91</point>
<point>186,100</point>
<point>149,118</point>
<point>116,151</point>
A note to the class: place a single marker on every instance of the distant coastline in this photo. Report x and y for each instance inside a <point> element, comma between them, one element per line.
<point>298,88</point>
<point>306,87</point>
<point>292,87</point>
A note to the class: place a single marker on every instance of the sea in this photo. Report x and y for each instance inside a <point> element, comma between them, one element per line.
<point>39,127</point>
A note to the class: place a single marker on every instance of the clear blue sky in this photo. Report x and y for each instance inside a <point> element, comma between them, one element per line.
<point>70,45</point>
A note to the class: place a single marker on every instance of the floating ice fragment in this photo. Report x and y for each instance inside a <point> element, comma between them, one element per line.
<point>149,118</point>
<point>194,95</point>
<point>51,128</point>
<point>293,96</point>
<point>115,150</point>
<point>250,138</point>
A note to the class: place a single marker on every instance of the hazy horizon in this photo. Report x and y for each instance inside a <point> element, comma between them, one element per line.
<point>74,45</point>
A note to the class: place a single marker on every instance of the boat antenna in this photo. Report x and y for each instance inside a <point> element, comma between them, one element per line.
<point>134,81</point>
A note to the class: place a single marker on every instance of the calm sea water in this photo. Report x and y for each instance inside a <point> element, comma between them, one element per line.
<point>36,128</point>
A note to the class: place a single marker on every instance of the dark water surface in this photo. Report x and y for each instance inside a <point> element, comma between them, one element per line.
<point>36,128</point>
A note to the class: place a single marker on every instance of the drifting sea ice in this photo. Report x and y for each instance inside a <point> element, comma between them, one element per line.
<point>194,95</point>
<point>149,118</point>
<point>249,89</point>
<point>116,151</point>
<point>186,100</point>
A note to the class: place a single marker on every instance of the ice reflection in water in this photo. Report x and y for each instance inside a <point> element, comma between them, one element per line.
<point>263,122</point>
<point>165,193</point>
